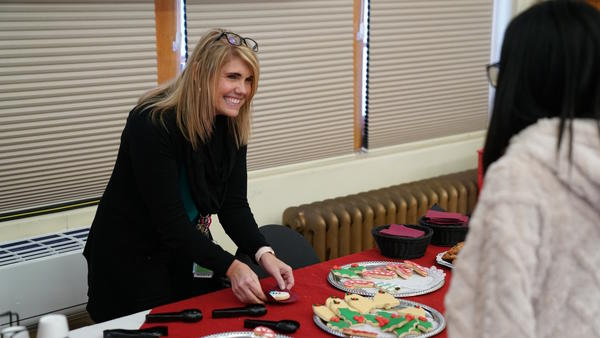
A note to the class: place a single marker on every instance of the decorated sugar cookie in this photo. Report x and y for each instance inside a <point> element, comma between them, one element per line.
<point>324,312</point>
<point>261,331</point>
<point>354,317</point>
<point>279,295</point>
<point>338,324</point>
<point>387,286</point>
<point>401,270</point>
<point>407,329</point>
<point>334,304</point>
<point>359,333</point>
<point>390,321</point>
<point>351,272</point>
<point>379,273</point>
<point>360,303</point>
<point>424,325</point>
<point>412,310</point>
<point>416,267</point>
<point>384,300</point>
<point>358,283</point>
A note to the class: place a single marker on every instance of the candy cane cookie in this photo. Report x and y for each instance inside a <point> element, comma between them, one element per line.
<point>358,283</point>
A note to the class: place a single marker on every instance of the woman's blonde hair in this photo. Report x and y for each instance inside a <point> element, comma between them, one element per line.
<point>190,94</point>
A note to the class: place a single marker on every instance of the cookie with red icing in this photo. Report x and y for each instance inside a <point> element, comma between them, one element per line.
<point>261,331</point>
<point>324,312</point>
<point>359,333</point>
<point>416,268</point>
<point>409,328</point>
<point>358,283</point>
<point>401,270</point>
<point>353,271</point>
<point>379,273</point>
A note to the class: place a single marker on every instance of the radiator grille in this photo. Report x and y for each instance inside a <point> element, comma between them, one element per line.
<point>342,225</point>
<point>38,247</point>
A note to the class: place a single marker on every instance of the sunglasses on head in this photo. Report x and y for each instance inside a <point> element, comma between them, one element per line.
<point>236,40</point>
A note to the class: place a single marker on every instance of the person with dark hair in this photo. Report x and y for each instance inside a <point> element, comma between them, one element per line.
<point>529,266</point>
<point>182,158</point>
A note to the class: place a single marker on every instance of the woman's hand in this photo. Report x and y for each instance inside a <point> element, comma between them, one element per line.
<point>244,283</point>
<point>279,270</point>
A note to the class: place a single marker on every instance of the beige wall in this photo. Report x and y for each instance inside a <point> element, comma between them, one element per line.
<point>521,5</point>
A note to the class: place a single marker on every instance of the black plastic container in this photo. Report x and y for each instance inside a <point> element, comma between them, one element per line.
<point>402,247</point>
<point>446,235</point>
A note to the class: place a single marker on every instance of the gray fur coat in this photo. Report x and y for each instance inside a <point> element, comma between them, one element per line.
<point>530,266</point>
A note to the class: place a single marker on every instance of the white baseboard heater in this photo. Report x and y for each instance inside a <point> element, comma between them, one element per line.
<point>41,275</point>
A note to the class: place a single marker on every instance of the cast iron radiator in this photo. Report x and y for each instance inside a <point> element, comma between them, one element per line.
<point>342,225</point>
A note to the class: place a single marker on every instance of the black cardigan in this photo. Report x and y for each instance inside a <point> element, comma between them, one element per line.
<point>141,244</point>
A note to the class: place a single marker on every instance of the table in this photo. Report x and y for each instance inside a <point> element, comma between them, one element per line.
<point>311,287</point>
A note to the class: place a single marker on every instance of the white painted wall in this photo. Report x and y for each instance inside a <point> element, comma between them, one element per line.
<point>270,191</point>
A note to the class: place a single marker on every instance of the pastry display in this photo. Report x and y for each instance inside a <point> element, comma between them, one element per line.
<point>400,279</point>
<point>367,317</point>
<point>451,254</point>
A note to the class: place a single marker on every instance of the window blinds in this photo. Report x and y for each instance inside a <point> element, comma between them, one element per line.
<point>303,109</point>
<point>70,71</point>
<point>426,69</point>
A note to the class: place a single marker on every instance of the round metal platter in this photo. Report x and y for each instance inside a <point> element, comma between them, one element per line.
<point>414,286</point>
<point>433,315</point>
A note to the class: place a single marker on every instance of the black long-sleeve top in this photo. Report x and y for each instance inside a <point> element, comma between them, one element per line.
<point>141,244</point>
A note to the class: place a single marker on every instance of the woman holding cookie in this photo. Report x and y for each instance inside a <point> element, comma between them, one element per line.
<point>182,158</point>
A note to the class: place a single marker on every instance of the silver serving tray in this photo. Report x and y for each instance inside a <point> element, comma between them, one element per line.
<point>414,286</point>
<point>240,334</point>
<point>440,261</point>
<point>433,315</point>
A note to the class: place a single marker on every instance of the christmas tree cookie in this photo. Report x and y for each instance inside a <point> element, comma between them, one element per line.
<point>353,271</point>
<point>409,328</point>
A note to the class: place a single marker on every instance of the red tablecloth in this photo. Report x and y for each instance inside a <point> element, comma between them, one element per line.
<point>311,287</point>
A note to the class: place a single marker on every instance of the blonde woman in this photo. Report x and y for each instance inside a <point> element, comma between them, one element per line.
<point>182,159</point>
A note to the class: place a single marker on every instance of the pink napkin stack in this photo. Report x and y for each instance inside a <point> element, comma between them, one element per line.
<point>402,231</point>
<point>446,218</point>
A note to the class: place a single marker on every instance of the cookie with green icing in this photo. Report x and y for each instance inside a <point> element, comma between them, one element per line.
<point>409,328</point>
<point>354,317</point>
<point>391,322</point>
<point>338,324</point>
<point>424,325</point>
<point>353,271</point>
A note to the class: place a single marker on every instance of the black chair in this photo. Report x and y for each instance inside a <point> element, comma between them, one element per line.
<point>289,246</point>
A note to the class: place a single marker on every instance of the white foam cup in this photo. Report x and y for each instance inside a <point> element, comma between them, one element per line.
<point>53,326</point>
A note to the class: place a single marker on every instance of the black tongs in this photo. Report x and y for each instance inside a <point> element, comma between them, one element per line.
<point>254,310</point>
<point>151,332</point>
<point>284,326</point>
<point>186,316</point>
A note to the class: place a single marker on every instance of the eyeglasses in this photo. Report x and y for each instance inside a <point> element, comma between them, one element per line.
<point>492,73</point>
<point>236,40</point>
